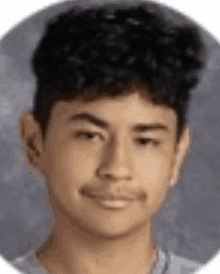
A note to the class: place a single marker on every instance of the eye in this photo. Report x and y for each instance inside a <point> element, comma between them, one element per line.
<point>88,135</point>
<point>147,142</point>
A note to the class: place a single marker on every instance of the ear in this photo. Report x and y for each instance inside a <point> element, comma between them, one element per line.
<point>181,154</point>
<point>31,137</point>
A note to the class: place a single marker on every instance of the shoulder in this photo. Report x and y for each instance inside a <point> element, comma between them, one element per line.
<point>27,265</point>
<point>180,265</point>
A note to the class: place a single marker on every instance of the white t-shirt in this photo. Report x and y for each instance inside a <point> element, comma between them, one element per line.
<point>167,263</point>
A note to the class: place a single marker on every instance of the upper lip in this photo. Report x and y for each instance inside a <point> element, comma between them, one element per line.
<point>109,196</point>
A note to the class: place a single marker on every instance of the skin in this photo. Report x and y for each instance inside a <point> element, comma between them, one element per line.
<point>118,158</point>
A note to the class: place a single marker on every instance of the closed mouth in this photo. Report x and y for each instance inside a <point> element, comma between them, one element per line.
<point>109,197</point>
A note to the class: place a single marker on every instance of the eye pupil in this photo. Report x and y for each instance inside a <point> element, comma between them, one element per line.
<point>144,141</point>
<point>147,142</point>
<point>89,135</point>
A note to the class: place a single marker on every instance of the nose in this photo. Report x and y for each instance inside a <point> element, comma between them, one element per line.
<point>116,164</point>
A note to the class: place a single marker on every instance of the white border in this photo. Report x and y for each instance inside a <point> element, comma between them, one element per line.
<point>205,13</point>
<point>5,267</point>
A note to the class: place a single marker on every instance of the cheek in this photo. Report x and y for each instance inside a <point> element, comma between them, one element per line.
<point>72,164</point>
<point>154,172</point>
<point>154,166</point>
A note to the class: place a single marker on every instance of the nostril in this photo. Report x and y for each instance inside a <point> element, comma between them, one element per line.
<point>114,174</point>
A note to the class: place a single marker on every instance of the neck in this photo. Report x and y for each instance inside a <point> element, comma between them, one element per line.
<point>72,249</point>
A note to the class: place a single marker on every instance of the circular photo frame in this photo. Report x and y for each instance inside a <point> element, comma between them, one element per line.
<point>188,223</point>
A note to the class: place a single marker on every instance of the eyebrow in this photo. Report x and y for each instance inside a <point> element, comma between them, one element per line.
<point>103,124</point>
<point>90,118</point>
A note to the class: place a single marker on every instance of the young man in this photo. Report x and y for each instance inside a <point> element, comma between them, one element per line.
<point>108,133</point>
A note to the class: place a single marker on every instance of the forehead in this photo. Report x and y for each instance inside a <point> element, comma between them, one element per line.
<point>130,109</point>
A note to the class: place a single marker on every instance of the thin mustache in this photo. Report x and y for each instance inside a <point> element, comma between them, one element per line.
<point>112,196</point>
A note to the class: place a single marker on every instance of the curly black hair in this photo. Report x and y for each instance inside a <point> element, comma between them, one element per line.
<point>99,48</point>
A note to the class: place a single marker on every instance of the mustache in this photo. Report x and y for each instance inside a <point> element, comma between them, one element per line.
<point>112,195</point>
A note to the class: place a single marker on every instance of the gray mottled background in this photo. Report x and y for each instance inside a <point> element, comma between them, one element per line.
<point>189,223</point>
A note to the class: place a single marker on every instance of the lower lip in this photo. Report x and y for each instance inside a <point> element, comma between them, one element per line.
<point>111,204</point>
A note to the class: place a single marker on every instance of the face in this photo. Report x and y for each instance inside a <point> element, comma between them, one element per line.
<point>109,163</point>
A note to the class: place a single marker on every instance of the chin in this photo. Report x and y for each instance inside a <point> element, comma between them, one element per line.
<point>115,232</point>
<point>106,225</point>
